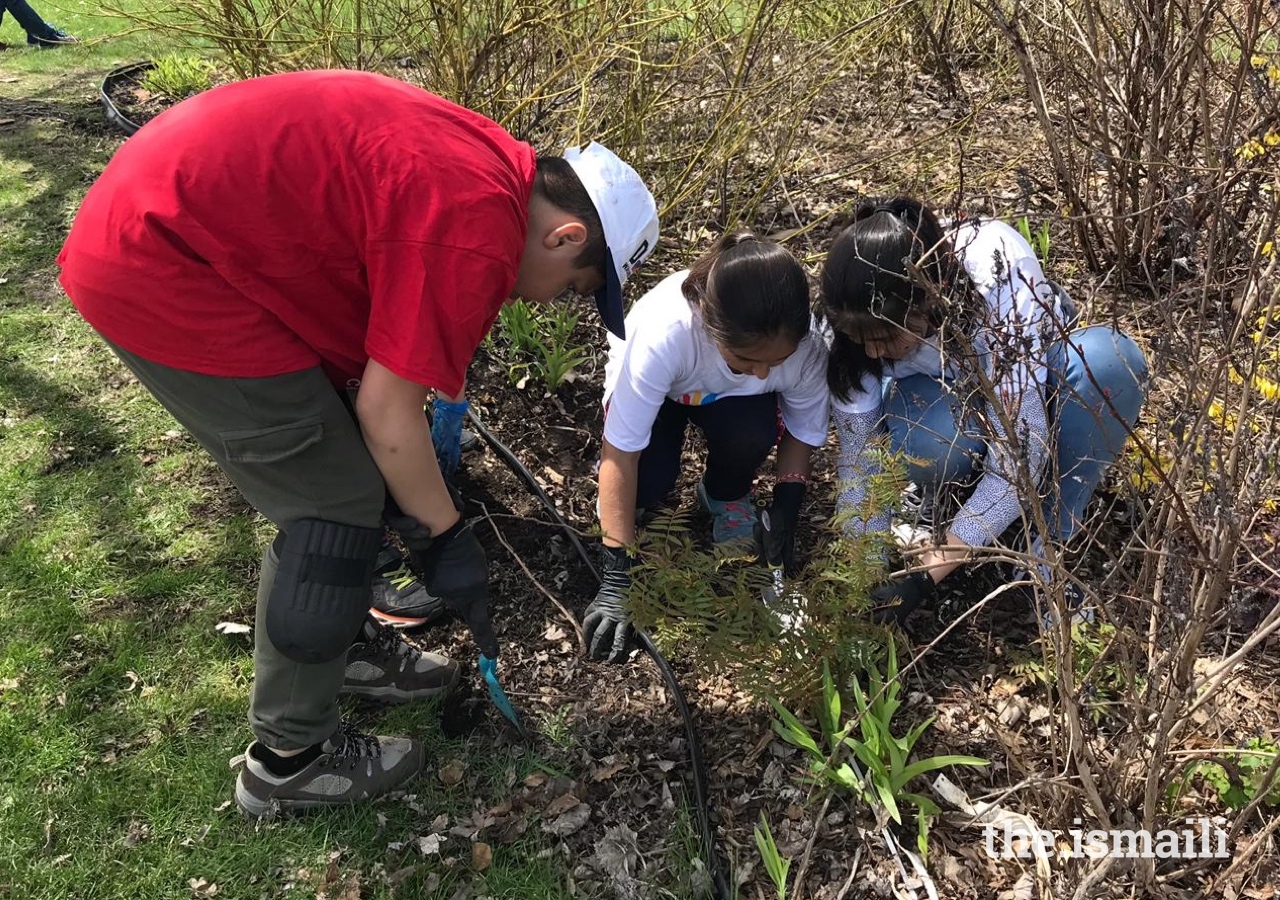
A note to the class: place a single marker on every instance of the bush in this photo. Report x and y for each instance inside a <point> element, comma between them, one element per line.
<point>178,77</point>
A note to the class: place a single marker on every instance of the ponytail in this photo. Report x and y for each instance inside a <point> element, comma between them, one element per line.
<point>747,290</point>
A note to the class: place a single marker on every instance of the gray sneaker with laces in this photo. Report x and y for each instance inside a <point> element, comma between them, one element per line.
<point>382,665</point>
<point>1078,609</point>
<point>351,767</point>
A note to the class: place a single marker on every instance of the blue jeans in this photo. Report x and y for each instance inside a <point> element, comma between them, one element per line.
<point>740,432</point>
<point>1097,383</point>
<point>27,17</point>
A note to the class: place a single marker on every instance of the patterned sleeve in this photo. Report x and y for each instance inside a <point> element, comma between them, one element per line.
<point>1022,304</point>
<point>995,503</point>
<point>857,464</point>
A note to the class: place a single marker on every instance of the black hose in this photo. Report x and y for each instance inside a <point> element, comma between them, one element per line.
<point>702,805</point>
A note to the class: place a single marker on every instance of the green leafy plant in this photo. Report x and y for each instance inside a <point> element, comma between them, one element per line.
<point>540,345</point>
<point>1098,664</point>
<point>775,863</point>
<point>1039,239</point>
<point>177,76</point>
<point>1238,777</point>
<point>721,608</point>
<point>886,769</point>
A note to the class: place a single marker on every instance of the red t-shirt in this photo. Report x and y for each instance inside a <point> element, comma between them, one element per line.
<point>311,218</point>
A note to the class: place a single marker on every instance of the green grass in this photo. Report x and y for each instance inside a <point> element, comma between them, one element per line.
<point>121,548</point>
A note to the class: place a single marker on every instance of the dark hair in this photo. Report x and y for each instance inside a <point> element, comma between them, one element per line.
<point>893,265</point>
<point>749,290</point>
<point>558,183</point>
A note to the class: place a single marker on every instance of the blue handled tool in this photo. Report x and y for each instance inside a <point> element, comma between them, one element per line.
<point>489,672</point>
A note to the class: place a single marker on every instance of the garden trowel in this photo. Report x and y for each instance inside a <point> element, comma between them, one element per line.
<point>475,612</point>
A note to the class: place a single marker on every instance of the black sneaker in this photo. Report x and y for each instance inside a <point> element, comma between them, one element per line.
<point>351,767</point>
<point>383,666</point>
<point>398,598</point>
<point>54,37</point>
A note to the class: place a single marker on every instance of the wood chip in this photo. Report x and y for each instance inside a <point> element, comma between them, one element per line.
<point>560,805</point>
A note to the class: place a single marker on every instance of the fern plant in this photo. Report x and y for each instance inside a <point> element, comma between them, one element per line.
<point>722,608</point>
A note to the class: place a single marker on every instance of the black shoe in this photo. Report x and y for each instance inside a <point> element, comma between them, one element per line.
<point>398,598</point>
<point>54,37</point>
<point>383,666</point>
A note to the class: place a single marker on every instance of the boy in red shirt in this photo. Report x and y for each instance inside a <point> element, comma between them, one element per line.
<point>291,264</point>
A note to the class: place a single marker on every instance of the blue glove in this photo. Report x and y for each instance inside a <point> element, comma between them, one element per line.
<point>446,434</point>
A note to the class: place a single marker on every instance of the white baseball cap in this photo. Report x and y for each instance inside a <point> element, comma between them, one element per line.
<point>629,216</point>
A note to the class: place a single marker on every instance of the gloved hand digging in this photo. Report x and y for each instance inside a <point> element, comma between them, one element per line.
<point>897,599</point>
<point>606,625</point>
<point>453,567</point>
<point>446,433</point>
<point>775,529</point>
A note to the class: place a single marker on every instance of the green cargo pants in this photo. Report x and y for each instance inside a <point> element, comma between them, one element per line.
<point>292,447</point>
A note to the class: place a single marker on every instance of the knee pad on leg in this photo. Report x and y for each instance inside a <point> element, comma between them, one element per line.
<point>321,593</point>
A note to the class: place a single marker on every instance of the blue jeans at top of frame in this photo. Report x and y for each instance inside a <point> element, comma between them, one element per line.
<point>1096,386</point>
<point>28,18</point>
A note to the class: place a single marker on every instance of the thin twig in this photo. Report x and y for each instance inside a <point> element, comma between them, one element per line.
<point>568,616</point>
<point>1236,864</point>
<point>808,849</point>
<point>1094,876</point>
<point>857,858</point>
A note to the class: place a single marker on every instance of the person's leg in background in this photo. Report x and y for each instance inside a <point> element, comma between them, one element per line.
<point>39,32</point>
<point>740,432</point>
<point>1098,381</point>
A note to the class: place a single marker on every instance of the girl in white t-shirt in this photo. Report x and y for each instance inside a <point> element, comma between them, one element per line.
<point>955,343</point>
<point>729,346</point>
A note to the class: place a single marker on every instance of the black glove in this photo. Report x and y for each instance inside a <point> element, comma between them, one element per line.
<point>606,627</point>
<point>897,599</point>
<point>453,567</point>
<point>775,529</point>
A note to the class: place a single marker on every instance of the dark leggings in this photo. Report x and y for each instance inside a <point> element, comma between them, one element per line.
<point>740,432</point>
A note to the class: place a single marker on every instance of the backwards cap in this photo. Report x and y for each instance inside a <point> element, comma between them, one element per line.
<point>629,216</point>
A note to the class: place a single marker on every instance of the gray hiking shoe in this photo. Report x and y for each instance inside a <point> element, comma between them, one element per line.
<point>351,767</point>
<point>382,665</point>
<point>1078,609</point>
